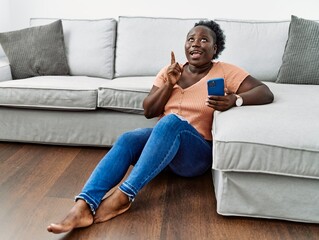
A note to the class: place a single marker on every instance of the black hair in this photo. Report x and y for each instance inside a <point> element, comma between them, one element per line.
<point>218,37</point>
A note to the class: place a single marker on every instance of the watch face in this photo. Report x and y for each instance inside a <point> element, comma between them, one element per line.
<point>239,101</point>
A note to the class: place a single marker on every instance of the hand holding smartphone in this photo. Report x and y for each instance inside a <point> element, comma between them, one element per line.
<point>216,87</point>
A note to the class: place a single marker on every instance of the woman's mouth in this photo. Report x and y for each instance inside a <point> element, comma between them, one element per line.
<point>195,54</point>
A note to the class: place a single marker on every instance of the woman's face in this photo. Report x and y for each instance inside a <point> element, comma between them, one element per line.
<point>200,46</point>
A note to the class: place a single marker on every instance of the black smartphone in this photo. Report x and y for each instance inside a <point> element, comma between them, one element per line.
<point>216,87</point>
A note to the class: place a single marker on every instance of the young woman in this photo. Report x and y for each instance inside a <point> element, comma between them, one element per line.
<point>181,139</point>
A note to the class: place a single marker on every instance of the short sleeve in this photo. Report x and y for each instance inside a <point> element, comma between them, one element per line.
<point>234,76</point>
<point>160,78</point>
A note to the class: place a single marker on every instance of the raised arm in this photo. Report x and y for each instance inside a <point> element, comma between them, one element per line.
<point>156,100</point>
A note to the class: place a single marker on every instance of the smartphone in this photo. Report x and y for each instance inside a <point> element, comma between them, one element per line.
<point>216,86</point>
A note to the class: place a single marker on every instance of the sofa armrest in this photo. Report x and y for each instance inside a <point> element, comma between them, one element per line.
<point>5,71</point>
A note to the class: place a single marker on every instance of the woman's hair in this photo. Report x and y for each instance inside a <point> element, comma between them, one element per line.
<point>219,37</point>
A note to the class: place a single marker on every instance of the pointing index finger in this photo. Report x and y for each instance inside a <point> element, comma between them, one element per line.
<point>172,57</point>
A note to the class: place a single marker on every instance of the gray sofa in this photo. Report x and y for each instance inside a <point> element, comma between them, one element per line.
<point>265,158</point>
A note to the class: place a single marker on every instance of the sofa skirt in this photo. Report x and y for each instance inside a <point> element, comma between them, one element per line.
<point>267,196</point>
<point>89,128</point>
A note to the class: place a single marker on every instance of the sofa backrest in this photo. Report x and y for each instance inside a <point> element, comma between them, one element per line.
<point>89,45</point>
<point>256,46</point>
<point>144,44</point>
<point>141,46</point>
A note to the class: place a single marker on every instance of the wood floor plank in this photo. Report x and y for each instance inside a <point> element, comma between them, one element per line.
<point>186,201</point>
<point>21,158</point>
<point>146,216</point>
<point>29,184</point>
<point>7,150</point>
<point>33,226</point>
<point>38,183</point>
<point>75,175</point>
<point>142,221</point>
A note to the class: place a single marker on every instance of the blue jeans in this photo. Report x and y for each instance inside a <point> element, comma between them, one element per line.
<point>173,142</point>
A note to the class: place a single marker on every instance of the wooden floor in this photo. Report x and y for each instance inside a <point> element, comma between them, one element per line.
<point>38,184</point>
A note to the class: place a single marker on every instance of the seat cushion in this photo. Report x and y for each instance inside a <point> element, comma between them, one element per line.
<point>278,138</point>
<point>89,45</point>
<point>125,94</point>
<point>51,92</point>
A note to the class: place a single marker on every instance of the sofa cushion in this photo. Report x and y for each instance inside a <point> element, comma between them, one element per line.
<point>256,46</point>
<point>300,62</point>
<point>36,51</point>
<point>5,71</point>
<point>144,44</point>
<point>125,94</point>
<point>261,144</point>
<point>2,53</point>
<point>89,45</point>
<point>51,92</point>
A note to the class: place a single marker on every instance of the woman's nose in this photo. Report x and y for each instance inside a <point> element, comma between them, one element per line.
<point>196,42</point>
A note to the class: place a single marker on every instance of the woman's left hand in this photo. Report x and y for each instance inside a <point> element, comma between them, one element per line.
<point>221,103</point>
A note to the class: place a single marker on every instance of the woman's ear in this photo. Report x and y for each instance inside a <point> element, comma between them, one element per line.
<point>215,48</point>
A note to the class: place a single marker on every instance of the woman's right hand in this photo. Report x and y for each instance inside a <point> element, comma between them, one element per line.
<point>154,103</point>
<point>174,71</point>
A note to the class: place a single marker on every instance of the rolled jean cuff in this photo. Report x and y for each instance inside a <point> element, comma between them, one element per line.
<point>90,202</point>
<point>128,190</point>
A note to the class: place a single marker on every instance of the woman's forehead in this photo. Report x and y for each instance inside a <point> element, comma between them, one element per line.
<point>201,30</point>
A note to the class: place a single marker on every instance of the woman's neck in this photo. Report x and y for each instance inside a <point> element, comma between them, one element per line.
<point>200,69</point>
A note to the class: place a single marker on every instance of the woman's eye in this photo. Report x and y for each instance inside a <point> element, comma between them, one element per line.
<point>204,40</point>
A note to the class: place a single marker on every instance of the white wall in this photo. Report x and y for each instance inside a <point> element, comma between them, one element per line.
<point>5,16</point>
<point>22,10</point>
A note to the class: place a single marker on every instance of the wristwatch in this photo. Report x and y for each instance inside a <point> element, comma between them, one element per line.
<point>239,100</point>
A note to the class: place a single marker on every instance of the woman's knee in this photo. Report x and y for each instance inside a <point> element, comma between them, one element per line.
<point>172,118</point>
<point>131,137</point>
<point>171,121</point>
<point>124,139</point>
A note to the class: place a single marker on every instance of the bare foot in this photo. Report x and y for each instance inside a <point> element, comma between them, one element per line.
<point>79,216</point>
<point>114,205</point>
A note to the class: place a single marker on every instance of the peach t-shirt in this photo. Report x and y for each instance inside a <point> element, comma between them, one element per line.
<point>190,102</point>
